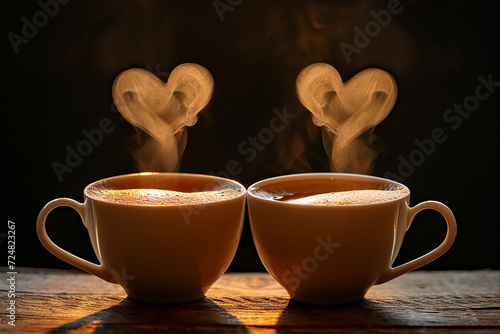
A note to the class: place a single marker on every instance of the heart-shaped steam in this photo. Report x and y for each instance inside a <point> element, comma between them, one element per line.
<point>348,112</point>
<point>162,110</point>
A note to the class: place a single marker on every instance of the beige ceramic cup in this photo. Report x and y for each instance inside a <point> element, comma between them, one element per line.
<point>158,254</point>
<point>334,254</point>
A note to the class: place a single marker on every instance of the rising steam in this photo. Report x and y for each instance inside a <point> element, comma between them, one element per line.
<point>348,112</point>
<point>162,111</point>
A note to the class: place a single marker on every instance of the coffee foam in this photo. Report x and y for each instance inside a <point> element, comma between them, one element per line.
<point>160,197</point>
<point>330,191</point>
<point>352,197</point>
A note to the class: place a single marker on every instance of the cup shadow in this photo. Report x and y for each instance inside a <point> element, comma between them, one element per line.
<point>363,314</point>
<point>129,316</point>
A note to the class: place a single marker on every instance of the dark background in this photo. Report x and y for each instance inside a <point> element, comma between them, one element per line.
<point>59,84</point>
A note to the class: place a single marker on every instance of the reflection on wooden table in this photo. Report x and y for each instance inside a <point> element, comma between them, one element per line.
<point>70,301</point>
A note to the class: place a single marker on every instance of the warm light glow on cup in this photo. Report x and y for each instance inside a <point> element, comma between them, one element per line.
<point>158,252</point>
<point>333,254</point>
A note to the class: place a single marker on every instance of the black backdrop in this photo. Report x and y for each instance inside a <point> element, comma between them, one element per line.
<point>59,68</point>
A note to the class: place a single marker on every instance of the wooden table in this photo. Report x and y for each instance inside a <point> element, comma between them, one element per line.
<point>71,301</point>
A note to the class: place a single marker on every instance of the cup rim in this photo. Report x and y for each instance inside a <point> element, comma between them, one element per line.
<point>251,190</point>
<point>139,174</point>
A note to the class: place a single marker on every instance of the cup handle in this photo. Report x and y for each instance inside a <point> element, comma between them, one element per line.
<point>85,265</point>
<point>451,233</point>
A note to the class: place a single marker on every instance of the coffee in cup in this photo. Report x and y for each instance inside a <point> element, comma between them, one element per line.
<point>137,195</point>
<point>327,193</point>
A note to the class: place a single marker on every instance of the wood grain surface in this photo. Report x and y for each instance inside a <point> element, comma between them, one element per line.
<point>71,301</point>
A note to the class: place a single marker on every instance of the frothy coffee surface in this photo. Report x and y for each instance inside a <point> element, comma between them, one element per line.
<point>159,197</point>
<point>353,197</point>
<point>330,192</point>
